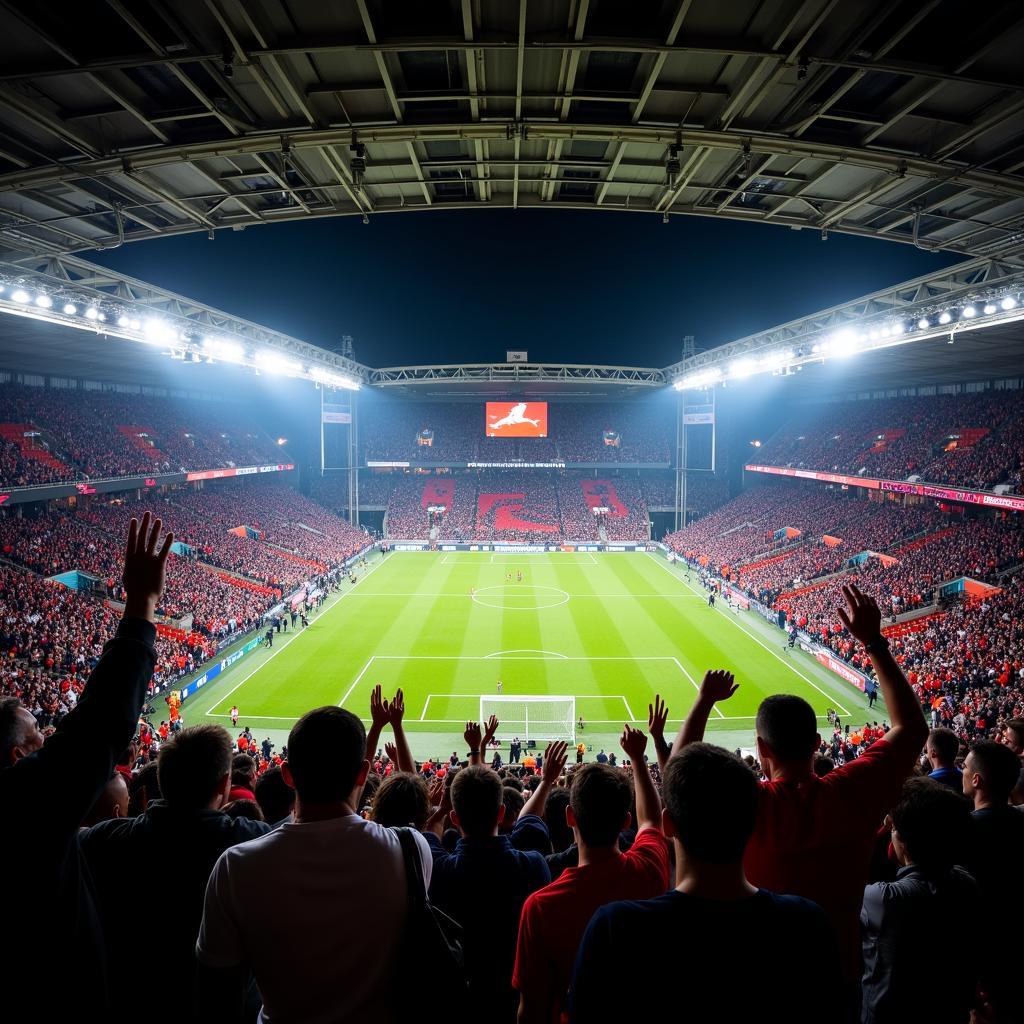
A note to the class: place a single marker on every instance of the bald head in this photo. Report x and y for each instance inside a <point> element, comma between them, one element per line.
<point>19,732</point>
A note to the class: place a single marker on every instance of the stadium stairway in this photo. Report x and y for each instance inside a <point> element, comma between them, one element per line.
<point>16,433</point>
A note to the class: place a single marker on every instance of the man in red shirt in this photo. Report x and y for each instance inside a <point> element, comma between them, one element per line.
<point>813,836</point>
<point>554,918</point>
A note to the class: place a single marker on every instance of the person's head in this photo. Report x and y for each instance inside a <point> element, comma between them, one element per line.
<point>930,825</point>
<point>243,809</point>
<point>555,817</point>
<point>402,799</point>
<point>111,803</point>
<point>512,800</point>
<point>710,799</point>
<point>823,764</point>
<point>991,770</point>
<point>477,801</point>
<point>275,797</point>
<point>327,756</point>
<point>194,768</point>
<point>599,805</point>
<point>1015,735</point>
<point>19,732</point>
<point>942,747</point>
<point>144,787</point>
<point>787,732</point>
<point>243,771</point>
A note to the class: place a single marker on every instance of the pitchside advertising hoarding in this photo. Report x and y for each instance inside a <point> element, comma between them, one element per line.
<point>517,419</point>
<point>984,498</point>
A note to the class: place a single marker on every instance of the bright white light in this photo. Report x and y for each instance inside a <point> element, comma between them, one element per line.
<point>741,368</point>
<point>159,331</point>
<point>20,295</point>
<point>122,321</point>
<point>225,349</point>
<point>898,329</point>
<point>44,301</point>
<point>815,348</point>
<point>944,318</point>
<point>274,362</point>
<point>335,380</point>
<point>1009,302</point>
<point>136,325</point>
<point>92,313</point>
<point>70,308</point>
<point>923,323</point>
<point>970,311</point>
<point>886,331</point>
<point>873,335</point>
<point>845,342</point>
<point>989,308</point>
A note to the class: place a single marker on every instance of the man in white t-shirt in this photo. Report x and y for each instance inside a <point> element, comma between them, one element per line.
<point>295,907</point>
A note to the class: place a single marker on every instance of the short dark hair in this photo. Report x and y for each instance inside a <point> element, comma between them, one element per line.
<point>946,744</point>
<point>711,797</point>
<point>514,802</point>
<point>554,817</point>
<point>823,764</point>
<point>9,727</point>
<point>788,725</point>
<point>326,750</point>
<point>933,821</point>
<point>275,797</point>
<point>600,799</point>
<point>191,764</point>
<point>476,798</point>
<point>999,766</point>
<point>1017,725</point>
<point>243,767</point>
<point>402,799</point>
<point>244,809</point>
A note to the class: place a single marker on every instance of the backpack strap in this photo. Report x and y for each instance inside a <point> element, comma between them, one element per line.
<point>415,882</point>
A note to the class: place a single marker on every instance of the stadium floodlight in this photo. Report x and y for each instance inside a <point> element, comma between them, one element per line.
<point>532,717</point>
<point>944,317</point>
<point>123,321</point>
<point>43,301</point>
<point>92,313</point>
<point>275,362</point>
<point>923,323</point>
<point>969,311</point>
<point>741,368</point>
<point>20,295</point>
<point>332,380</point>
<point>990,308</point>
<point>159,331</point>
<point>224,349</point>
<point>1008,302</point>
<point>70,308</point>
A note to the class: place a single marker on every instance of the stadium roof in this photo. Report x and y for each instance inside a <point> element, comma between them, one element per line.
<point>895,120</point>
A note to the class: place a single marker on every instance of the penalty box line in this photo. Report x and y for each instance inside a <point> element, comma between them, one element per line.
<point>460,696</point>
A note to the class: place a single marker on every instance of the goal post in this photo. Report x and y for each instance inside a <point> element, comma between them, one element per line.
<point>532,717</point>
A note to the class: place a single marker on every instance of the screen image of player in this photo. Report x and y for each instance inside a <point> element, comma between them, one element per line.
<point>517,419</point>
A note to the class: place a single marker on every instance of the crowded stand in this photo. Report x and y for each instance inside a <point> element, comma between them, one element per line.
<point>580,866</point>
<point>97,434</point>
<point>973,440</point>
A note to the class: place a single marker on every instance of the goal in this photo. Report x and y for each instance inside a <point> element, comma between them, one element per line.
<point>532,718</point>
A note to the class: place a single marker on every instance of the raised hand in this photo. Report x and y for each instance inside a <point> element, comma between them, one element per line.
<point>554,761</point>
<point>633,743</point>
<point>396,708</point>
<point>392,751</point>
<point>717,685</point>
<point>472,735</point>
<point>379,712</point>
<point>657,716</point>
<point>861,616</point>
<point>437,790</point>
<point>490,729</point>
<point>144,567</point>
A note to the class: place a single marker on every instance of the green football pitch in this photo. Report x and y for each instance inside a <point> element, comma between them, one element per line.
<point>609,630</point>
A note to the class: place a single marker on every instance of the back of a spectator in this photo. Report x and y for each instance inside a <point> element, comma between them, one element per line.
<point>716,948</point>
<point>299,906</point>
<point>187,831</point>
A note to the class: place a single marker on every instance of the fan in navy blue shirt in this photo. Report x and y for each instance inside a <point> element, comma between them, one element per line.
<point>716,947</point>
<point>942,747</point>
<point>484,883</point>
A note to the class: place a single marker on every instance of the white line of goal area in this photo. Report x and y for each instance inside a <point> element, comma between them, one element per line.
<point>525,656</point>
<point>514,558</point>
<point>775,654</point>
<point>286,643</point>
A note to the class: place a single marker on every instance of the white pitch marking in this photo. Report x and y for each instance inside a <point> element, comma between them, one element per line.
<point>757,640</point>
<point>526,650</point>
<point>696,685</point>
<point>355,682</point>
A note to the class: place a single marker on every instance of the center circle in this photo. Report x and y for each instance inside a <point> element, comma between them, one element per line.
<point>512,598</point>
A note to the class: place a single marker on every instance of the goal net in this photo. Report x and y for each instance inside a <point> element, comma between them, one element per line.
<point>532,718</point>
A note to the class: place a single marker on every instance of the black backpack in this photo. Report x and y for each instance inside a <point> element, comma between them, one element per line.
<point>431,961</point>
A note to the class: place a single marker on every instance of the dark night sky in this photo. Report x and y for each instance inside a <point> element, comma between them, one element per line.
<point>462,286</point>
